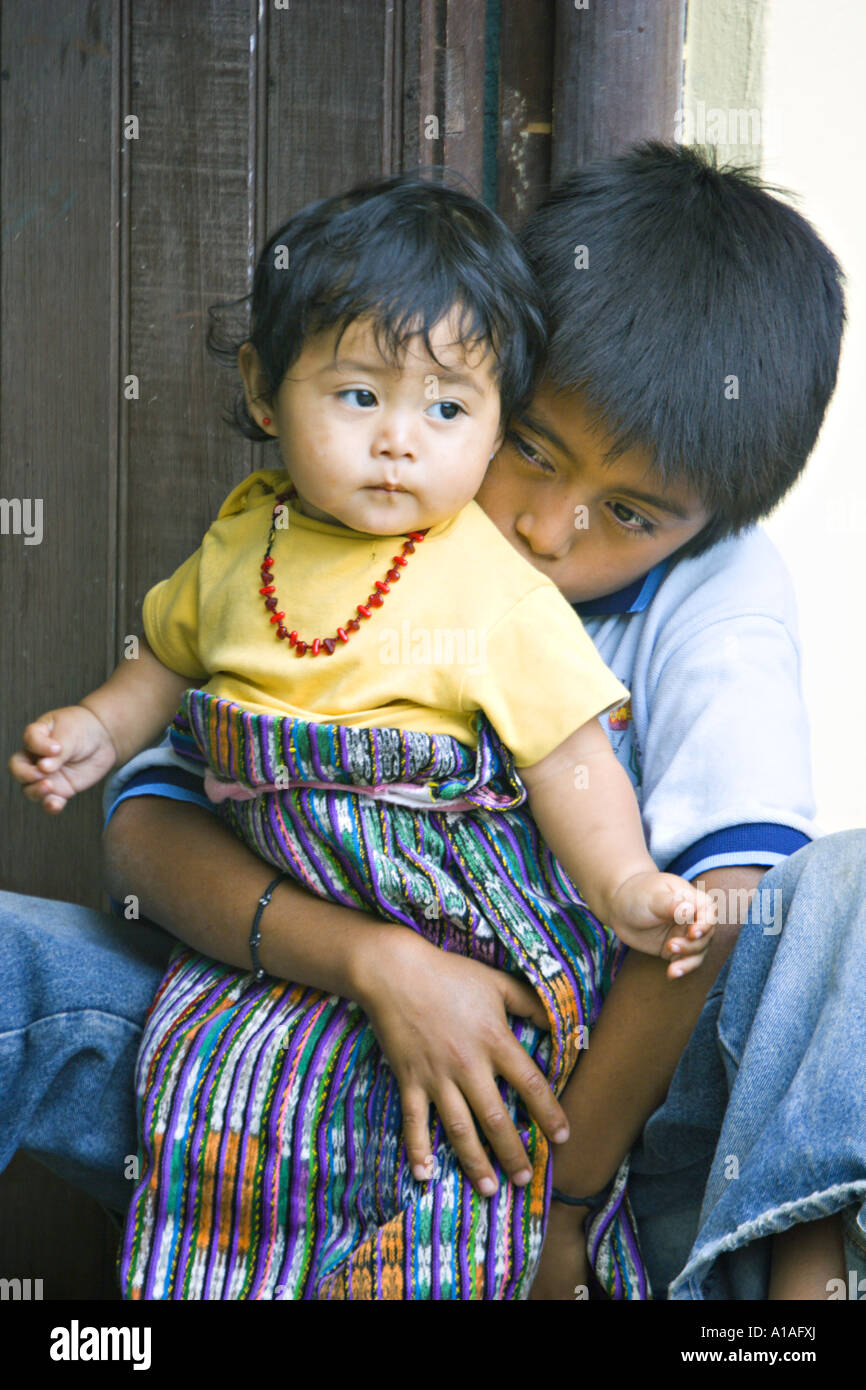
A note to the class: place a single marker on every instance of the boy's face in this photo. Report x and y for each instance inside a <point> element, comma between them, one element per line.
<point>381,448</point>
<point>591,528</point>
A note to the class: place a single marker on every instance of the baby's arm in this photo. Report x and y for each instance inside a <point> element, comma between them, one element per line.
<point>585,808</point>
<point>67,750</point>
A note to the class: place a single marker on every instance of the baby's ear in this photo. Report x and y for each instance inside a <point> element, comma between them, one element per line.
<point>499,441</point>
<point>255,382</point>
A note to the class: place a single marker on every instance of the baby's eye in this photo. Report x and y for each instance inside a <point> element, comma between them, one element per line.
<point>362,397</point>
<point>450,410</point>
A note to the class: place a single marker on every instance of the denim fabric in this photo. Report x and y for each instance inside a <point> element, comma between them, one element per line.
<point>76,985</point>
<point>766,1115</point>
<point>774,1075</point>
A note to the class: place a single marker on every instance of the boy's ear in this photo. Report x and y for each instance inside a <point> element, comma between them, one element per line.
<point>255,387</point>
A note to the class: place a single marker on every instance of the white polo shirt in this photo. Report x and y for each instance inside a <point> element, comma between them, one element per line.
<point>715,737</point>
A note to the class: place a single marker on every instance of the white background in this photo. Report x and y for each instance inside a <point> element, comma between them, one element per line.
<point>813,136</point>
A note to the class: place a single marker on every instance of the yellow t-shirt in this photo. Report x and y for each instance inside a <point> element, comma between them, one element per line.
<point>469,626</point>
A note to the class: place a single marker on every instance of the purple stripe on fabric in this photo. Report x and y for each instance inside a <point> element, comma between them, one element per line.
<point>311,1082</point>
<point>267,745</point>
<point>189,1064</point>
<point>515,1209</point>
<point>586,979</point>
<point>338,1075</point>
<point>248,746</point>
<point>387,909</point>
<point>139,1193</point>
<point>435,1227</point>
<point>517,948</point>
<point>464,1249</point>
<point>492,1246</point>
<point>272,815</point>
<point>241,1011</point>
<point>351,1191</point>
<point>315,758</point>
<point>353,874</point>
<point>205,1120</point>
<point>298,1190</point>
<point>350,1164</point>
<point>634,1252</point>
<point>158,1069</point>
<point>597,1238</point>
<point>273,1019</point>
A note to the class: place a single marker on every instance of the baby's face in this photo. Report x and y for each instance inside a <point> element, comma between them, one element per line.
<point>382,448</point>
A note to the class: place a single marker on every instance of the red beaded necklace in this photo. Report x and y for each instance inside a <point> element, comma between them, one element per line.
<point>326,644</point>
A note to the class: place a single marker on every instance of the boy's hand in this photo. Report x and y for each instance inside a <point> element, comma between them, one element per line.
<point>664,916</point>
<point>65,751</point>
<point>441,1021</point>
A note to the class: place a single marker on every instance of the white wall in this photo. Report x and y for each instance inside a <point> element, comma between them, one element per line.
<point>781,83</point>
<point>813,143</point>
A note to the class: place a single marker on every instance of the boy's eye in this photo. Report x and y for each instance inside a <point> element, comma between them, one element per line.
<point>362,397</point>
<point>525,449</point>
<point>631,520</point>
<point>450,410</point>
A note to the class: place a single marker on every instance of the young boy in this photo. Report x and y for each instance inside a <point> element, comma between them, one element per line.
<point>645,354</point>
<point>677,298</point>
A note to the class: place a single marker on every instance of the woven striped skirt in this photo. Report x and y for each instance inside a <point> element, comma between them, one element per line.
<point>271,1153</point>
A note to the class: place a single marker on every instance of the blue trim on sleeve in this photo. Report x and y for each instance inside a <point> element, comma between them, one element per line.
<point>761,842</point>
<point>160,780</point>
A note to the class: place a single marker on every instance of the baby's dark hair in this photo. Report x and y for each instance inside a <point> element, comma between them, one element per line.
<point>404,250</point>
<point>704,326</point>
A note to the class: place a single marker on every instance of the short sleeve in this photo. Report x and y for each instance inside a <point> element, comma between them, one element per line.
<point>253,491</point>
<point>170,619</point>
<point>726,749</point>
<point>539,676</point>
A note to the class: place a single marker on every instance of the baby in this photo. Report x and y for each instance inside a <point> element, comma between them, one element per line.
<point>394,329</point>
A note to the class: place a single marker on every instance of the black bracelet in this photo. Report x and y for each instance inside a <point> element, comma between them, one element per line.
<point>594,1202</point>
<point>255,934</point>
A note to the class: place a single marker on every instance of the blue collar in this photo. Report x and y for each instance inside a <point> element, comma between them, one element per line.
<point>633,599</point>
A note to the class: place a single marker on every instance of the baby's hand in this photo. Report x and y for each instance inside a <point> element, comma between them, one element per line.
<point>664,916</point>
<point>65,751</point>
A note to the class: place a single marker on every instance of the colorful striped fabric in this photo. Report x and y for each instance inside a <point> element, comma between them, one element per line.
<point>271,1133</point>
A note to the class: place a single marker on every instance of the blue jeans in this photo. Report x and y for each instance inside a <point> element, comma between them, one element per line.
<point>764,1124</point>
<point>76,985</point>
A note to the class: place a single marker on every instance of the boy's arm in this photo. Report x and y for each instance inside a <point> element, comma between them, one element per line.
<point>720,731</point>
<point>638,1040</point>
<point>585,808</point>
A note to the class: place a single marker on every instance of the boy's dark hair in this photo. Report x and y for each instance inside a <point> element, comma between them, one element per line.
<point>405,250</point>
<point>694,275</point>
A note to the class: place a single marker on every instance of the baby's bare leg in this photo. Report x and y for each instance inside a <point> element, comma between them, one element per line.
<point>623,1076</point>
